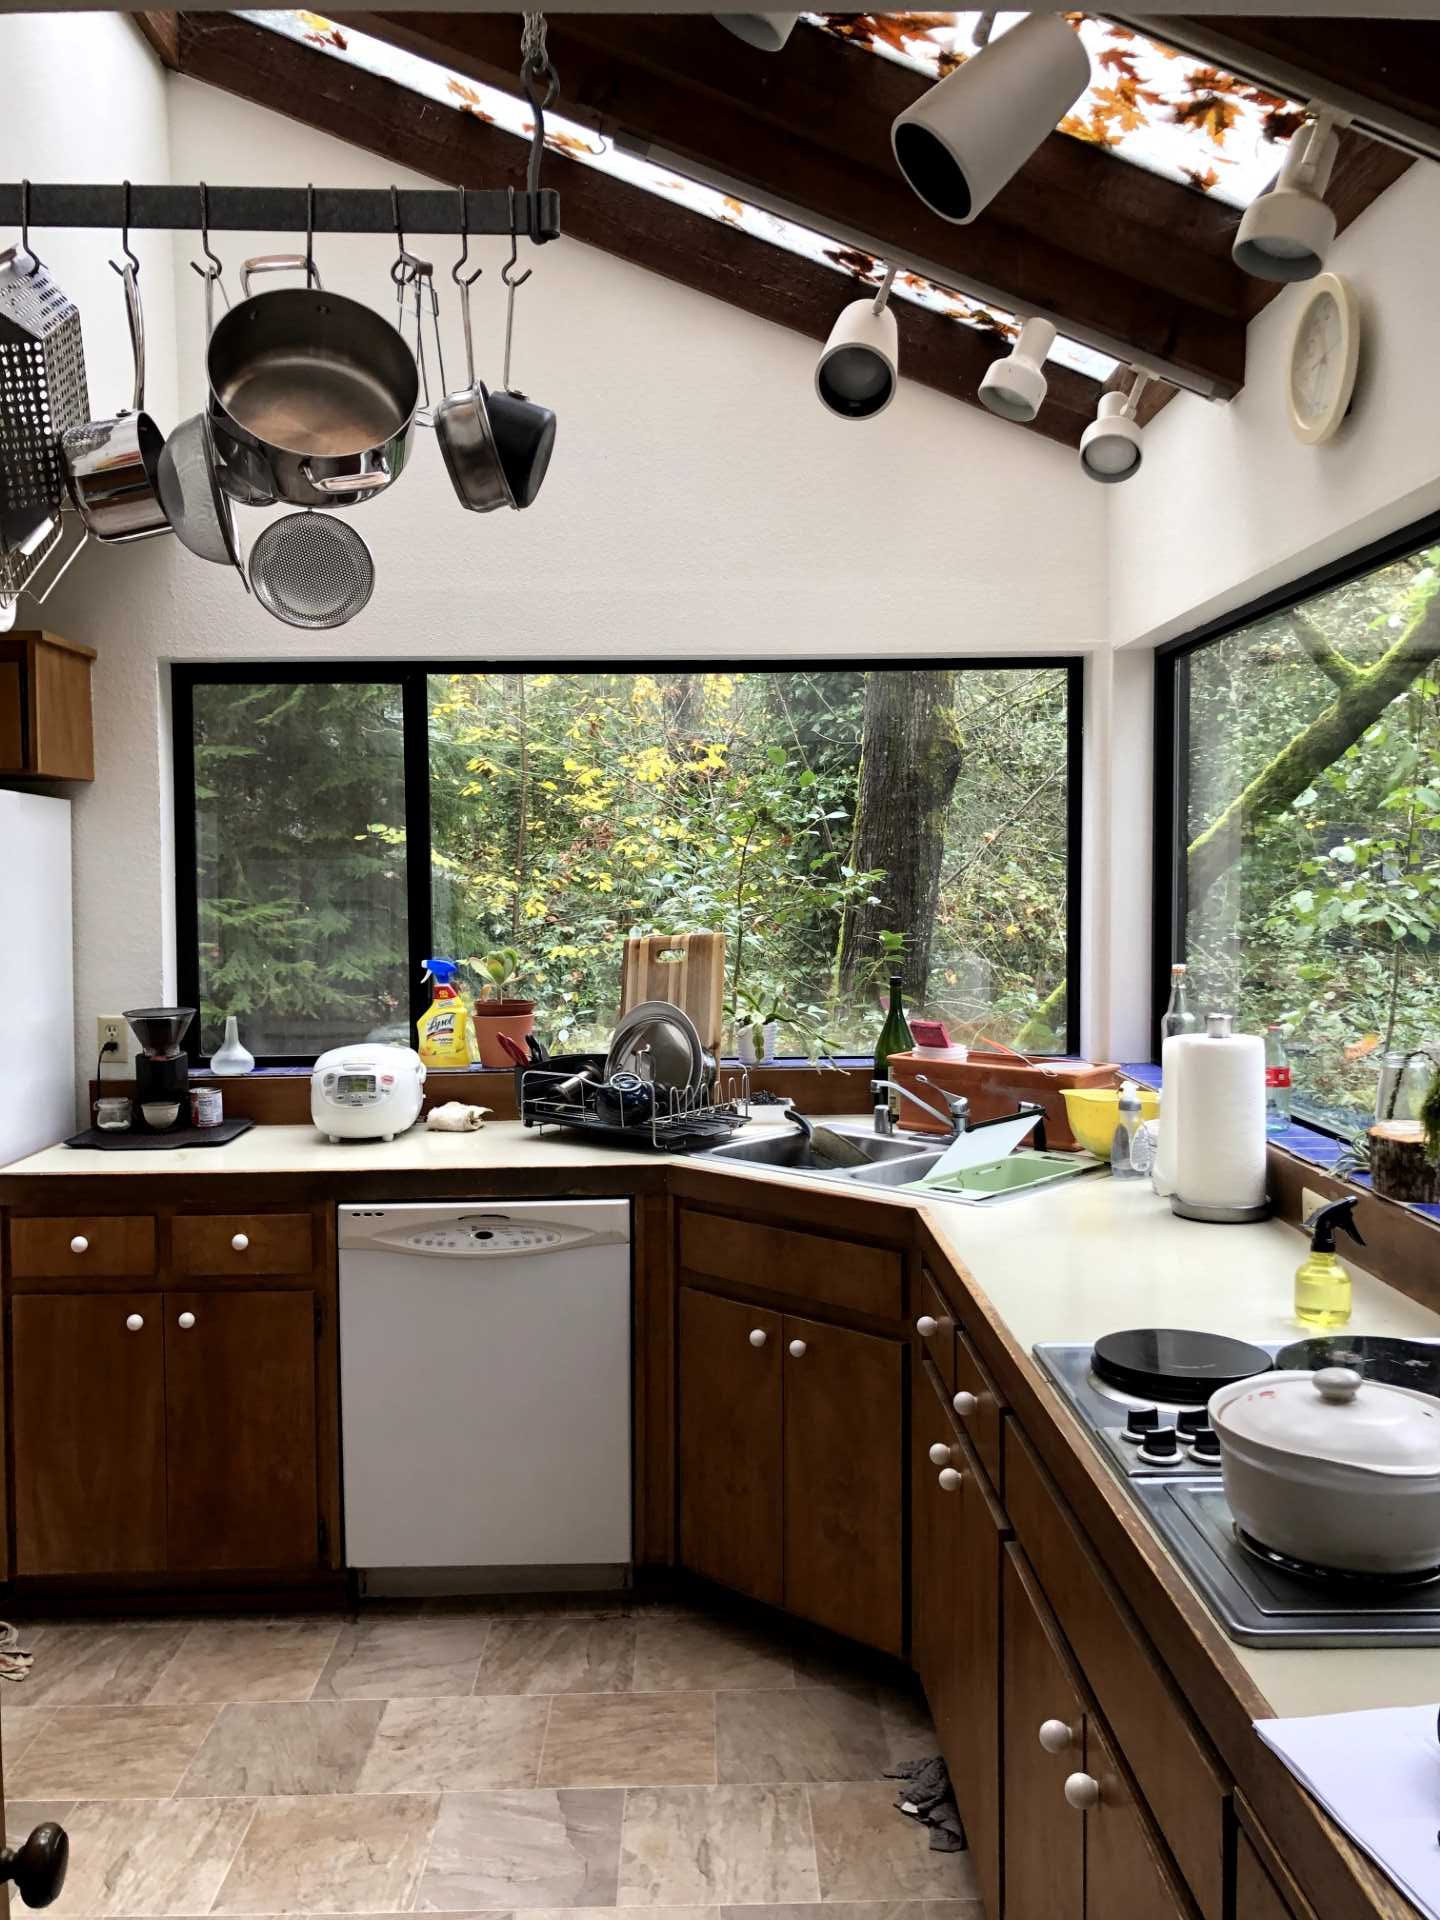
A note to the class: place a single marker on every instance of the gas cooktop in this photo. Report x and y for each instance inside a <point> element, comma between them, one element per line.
<point>1142,1398</point>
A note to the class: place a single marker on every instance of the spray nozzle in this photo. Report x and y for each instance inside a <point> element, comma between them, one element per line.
<point>1327,1220</point>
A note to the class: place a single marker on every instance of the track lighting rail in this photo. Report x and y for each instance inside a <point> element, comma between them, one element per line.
<point>282,209</point>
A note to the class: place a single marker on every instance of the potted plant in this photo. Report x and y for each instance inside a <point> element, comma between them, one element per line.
<point>758,1012</point>
<point>497,1011</point>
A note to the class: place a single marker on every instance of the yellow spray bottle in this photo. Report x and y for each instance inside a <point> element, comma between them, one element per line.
<point>1322,1280</point>
<point>446,1028</point>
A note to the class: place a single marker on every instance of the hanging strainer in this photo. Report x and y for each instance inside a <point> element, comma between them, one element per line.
<point>311,570</point>
<point>42,392</point>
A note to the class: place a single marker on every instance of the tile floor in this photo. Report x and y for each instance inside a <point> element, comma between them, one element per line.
<point>486,1761</point>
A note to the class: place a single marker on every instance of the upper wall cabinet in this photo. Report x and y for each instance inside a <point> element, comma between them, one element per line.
<point>45,724</point>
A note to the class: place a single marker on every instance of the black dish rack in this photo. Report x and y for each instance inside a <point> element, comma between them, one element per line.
<point>676,1123</point>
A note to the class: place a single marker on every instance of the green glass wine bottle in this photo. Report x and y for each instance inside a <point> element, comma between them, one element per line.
<point>895,1037</point>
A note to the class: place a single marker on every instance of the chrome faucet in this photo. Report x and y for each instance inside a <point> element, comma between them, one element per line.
<point>956,1118</point>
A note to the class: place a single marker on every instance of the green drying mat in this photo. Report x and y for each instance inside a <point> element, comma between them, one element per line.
<point>1025,1167</point>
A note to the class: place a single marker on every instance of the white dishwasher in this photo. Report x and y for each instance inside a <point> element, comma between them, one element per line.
<point>485,1393</point>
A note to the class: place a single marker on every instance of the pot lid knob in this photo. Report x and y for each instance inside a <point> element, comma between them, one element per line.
<point>1337,1384</point>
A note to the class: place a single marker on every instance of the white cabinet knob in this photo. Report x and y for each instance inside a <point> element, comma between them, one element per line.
<point>950,1480</point>
<point>1055,1736</point>
<point>186,1320</point>
<point>239,1241</point>
<point>134,1322</point>
<point>79,1244</point>
<point>940,1454</point>
<point>758,1337</point>
<point>1082,1791</point>
<point>965,1404</point>
<point>797,1349</point>
<point>927,1325</point>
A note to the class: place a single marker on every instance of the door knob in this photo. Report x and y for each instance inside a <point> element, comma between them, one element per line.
<point>1055,1736</point>
<point>239,1241</point>
<point>940,1454</point>
<point>1082,1791</point>
<point>79,1244</point>
<point>965,1404</point>
<point>37,1867</point>
<point>134,1322</point>
<point>797,1349</point>
<point>186,1320</point>
<point>758,1337</point>
<point>927,1325</point>
<point>950,1480</point>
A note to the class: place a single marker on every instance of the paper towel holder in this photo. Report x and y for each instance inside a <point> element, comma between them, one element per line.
<point>1220,1026</point>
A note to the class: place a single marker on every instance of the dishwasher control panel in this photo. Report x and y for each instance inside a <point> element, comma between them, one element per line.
<point>483,1233</point>
<point>500,1236</point>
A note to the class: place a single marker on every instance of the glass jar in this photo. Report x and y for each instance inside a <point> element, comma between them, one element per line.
<point>112,1112</point>
<point>1404,1081</point>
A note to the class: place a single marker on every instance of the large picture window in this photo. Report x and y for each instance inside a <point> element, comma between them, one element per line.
<point>337,828</point>
<point>1303,821</point>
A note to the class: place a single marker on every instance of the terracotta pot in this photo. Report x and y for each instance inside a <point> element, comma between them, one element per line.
<point>494,1017</point>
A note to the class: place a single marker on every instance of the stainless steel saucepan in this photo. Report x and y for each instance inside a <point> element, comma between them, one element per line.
<point>112,466</point>
<point>311,394</point>
<point>462,423</point>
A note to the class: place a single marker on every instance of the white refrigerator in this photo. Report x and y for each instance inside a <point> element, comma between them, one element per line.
<point>37,991</point>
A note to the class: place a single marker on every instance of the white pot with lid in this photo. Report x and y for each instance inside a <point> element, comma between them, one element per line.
<point>1333,1469</point>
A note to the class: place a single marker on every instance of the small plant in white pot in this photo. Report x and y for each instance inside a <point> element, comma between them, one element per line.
<point>498,1010</point>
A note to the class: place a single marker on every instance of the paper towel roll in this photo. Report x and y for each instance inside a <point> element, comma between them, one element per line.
<point>1162,1175</point>
<point>1216,1156</point>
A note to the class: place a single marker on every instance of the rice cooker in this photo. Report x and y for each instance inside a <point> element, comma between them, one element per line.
<point>367,1092</point>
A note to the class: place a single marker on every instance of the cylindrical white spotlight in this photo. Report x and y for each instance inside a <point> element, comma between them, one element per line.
<point>858,372</point>
<point>1014,386</point>
<point>1286,233</point>
<point>767,31</point>
<point>963,140</point>
<point>1111,447</point>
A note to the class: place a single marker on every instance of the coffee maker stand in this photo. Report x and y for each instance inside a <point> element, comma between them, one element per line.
<point>140,1140</point>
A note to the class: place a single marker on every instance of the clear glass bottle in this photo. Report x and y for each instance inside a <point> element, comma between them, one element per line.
<point>1178,1018</point>
<point>1277,1079</point>
<point>895,1037</point>
<point>1123,1164</point>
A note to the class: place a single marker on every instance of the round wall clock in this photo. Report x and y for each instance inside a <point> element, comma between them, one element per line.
<point>1324,351</point>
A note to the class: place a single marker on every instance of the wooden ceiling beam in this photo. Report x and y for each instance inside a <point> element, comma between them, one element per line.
<point>808,136</point>
<point>341,99</point>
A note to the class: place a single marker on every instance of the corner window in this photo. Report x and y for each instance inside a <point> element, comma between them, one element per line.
<point>825,821</point>
<point>1304,743</point>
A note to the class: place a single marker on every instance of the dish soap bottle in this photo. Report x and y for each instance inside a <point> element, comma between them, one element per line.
<point>1322,1280</point>
<point>1122,1147</point>
<point>895,1037</point>
<point>444,1029</point>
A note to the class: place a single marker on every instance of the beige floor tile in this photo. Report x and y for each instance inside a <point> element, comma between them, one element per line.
<point>539,1849</point>
<point>22,1816</point>
<point>284,1747</point>
<point>909,1731</point>
<point>19,1724</point>
<point>149,1857</point>
<point>429,1656</point>
<point>463,1746</point>
<point>630,1740</point>
<point>866,1850</point>
<point>679,1653</point>
<point>729,1845</point>
<point>799,1733</point>
<point>231,1660</point>
<point>99,1665</point>
<point>110,1753</point>
<point>353,1853</point>
<point>553,1653</point>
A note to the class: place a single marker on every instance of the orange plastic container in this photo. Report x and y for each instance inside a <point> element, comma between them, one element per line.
<point>995,1084</point>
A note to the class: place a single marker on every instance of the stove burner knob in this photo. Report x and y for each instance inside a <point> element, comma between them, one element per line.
<point>1207,1445</point>
<point>1139,1422</point>
<point>1162,1447</point>
<point>1190,1422</point>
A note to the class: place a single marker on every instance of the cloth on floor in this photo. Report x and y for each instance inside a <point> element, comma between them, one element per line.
<point>14,1663</point>
<point>930,1798</point>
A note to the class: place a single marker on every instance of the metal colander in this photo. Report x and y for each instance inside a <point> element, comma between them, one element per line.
<point>310,570</point>
<point>42,392</point>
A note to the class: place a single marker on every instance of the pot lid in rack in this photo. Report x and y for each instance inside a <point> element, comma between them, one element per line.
<point>1175,1363</point>
<point>1334,1415</point>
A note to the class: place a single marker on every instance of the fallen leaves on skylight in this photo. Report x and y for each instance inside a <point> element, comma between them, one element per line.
<point>511,114</point>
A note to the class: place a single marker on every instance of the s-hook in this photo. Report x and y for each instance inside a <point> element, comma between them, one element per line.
<point>125,246</point>
<point>211,273</point>
<point>513,282</point>
<point>464,279</point>
<point>408,266</point>
<point>25,247</point>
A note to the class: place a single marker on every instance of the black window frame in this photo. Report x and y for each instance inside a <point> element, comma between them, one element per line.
<point>411,676</point>
<point>1171,757</point>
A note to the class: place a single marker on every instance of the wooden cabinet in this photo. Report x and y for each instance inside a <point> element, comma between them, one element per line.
<point>935,1325</point>
<point>791,1466</point>
<point>1127,1870</point>
<point>83,1247</point>
<point>1264,1889</point>
<point>242,1245</point>
<point>847,1275</point>
<point>46,730</point>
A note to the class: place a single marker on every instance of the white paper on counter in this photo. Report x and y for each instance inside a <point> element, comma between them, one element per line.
<point>1377,1774</point>
<point>980,1148</point>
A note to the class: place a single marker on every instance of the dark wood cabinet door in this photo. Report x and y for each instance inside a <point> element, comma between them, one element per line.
<point>932,1608</point>
<point>731,1475</point>
<point>87,1379</point>
<point>972,1751</point>
<point>845,1481</point>
<point>1127,1870</point>
<point>1256,1895</point>
<point>1044,1837</point>
<point>241,1456</point>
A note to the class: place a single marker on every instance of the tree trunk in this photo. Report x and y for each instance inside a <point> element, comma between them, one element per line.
<point>1400,1168</point>
<point>909,763</point>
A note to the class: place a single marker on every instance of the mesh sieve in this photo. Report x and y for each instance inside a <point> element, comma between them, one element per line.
<point>311,570</point>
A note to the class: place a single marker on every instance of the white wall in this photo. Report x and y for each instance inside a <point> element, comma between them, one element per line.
<point>1229,504</point>
<point>700,505</point>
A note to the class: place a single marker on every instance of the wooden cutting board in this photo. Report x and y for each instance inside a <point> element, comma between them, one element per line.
<point>686,968</point>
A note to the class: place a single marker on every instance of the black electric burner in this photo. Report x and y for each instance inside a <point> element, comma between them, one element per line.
<point>1399,1363</point>
<point>1174,1364</point>
<point>1337,1577</point>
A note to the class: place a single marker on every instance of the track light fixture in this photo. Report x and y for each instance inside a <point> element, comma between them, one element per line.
<point>1285,233</point>
<point>964,139</point>
<point>1110,447</point>
<point>857,374</point>
<point>1014,386</point>
<point>767,31</point>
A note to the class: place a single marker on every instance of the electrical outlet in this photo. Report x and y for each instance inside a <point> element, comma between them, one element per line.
<point>113,1027</point>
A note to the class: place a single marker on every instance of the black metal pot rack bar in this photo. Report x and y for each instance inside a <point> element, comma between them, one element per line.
<point>284,209</point>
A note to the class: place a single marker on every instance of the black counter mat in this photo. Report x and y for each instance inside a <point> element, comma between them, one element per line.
<point>111,1141</point>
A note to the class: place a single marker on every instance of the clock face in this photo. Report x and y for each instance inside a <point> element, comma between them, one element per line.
<point>1318,361</point>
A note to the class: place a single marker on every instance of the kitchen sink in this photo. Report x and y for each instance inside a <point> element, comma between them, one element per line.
<point>792,1151</point>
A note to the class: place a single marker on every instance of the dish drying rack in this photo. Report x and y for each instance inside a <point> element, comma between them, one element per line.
<point>679,1121</point>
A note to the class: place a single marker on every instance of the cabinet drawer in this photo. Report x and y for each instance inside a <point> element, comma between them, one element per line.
<point>120,1246</point>
<point>935,1325</point>
<point>981,1412</point>
<point>1173,1765</point>
<point>242,1244</point>
<point>832,1273</point>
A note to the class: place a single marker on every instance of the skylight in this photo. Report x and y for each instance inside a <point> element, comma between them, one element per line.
<point>1162,110</point>
<point>511,114</point>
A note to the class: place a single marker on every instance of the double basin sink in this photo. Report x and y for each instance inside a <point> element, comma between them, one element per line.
<point>896,1162</point>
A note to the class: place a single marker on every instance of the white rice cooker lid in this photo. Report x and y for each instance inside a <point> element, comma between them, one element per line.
<point>1334,1415</point>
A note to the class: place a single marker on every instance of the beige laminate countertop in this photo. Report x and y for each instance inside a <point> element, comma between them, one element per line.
<point>1065,1264</point>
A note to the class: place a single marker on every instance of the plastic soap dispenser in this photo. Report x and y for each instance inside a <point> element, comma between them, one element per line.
<point>1322,1280</point>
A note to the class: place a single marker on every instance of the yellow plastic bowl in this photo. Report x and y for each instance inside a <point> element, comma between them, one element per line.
<point>1094,1114</point>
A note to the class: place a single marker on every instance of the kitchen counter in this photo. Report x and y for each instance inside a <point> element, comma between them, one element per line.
<point>1066,1263</point>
